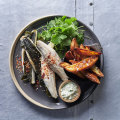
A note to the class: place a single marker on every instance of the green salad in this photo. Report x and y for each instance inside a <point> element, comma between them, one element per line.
<point>60,32</point>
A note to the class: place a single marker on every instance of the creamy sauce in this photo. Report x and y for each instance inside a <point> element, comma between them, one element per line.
<point>69,91</point>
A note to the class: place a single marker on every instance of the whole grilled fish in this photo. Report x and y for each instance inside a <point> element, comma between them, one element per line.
<point>32,53</point>
<point>52,59</point>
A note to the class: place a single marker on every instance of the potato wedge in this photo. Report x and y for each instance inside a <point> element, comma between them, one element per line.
<point>82,65</point>
<point>97,71</point>
<point>87,47</point>
<point>87,74</point>
<point>94,68</point>
<point>91,76</point>
<point>79,74</point>
<point>69,55</point>
<point>82,46</point>
<point>74,44</point>
<point>77,57</point>
<point>86,52</point>
<point>73,61</point>
<point>64,64</point>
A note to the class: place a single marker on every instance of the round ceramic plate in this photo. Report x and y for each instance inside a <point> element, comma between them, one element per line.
<point>39,97</point>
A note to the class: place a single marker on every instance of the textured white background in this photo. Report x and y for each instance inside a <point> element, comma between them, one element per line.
<point>105,17</point>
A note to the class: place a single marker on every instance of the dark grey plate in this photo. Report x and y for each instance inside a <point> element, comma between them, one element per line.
<point>39,97</point>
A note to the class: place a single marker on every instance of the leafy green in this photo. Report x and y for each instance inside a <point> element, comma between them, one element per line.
<point>60,32</point>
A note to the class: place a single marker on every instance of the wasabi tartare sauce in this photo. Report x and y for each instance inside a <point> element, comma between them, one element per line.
<point>69,91</point>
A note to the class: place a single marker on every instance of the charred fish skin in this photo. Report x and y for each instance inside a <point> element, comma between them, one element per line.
<point>52,58</point>
<point>34,36</point>
<point>32,53</point>
<point>48,77</point>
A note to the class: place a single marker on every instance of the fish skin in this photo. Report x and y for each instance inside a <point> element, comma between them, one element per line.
<point>48,78</point>
<point>34,36</point>
<point>32,53</point>
<point>52,59</point>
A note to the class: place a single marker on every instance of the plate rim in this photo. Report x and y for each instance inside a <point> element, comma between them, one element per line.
<point>11,62</point>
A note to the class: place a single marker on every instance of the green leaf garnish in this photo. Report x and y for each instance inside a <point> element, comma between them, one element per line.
<point>60,32</point>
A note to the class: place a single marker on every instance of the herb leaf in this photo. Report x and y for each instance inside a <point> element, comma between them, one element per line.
<point>61,31</point>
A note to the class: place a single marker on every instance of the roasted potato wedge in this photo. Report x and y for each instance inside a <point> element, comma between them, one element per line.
<point>94,68</point>
<point>82,46</point>
<point>77,57</point>
<point>69,55</point>
<point>64,64</point>
<point>74,44</point>
<point>97,71</point>
<point>87,74</point>
<point>87,47</point>
<point>73,61</point>
<point>91,76</point>
<point>82,65</point>
<point>79,74</point>
<point>86,52</point>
